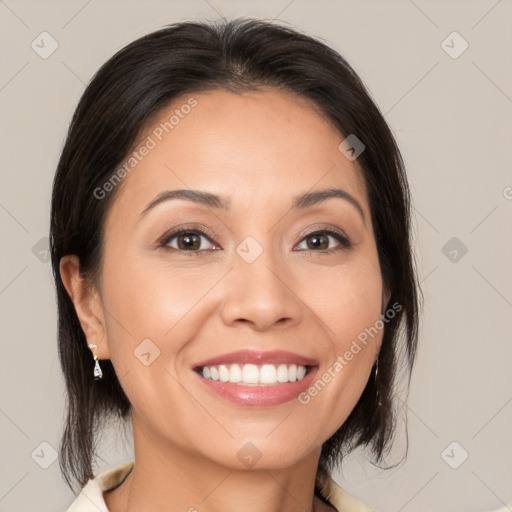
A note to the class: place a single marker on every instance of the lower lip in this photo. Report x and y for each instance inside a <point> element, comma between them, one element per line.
<point>259,396</point>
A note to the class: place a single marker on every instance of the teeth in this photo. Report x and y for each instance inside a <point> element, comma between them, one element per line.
<point>282,373</point>
<point>251,374</point>
<point>223,373</point>
<point>268,374</point>
<point>292,373</point>
<point>235,373</point>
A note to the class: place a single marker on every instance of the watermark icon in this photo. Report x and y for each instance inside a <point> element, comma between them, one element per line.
<point>507,193</point>
<point>146,352</point>
<point>342,360</point>
<point>249,455</point>
<point>454,45</point>
<point>454,455</point>
<point>44,45</point>
<point>249,249</point>
<point>454,249</point>
<point>351,147</point>
<point>41,249</point>
<point>144,148</point>
<point>44,455</point>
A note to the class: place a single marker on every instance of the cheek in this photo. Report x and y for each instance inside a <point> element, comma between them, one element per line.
<point>156,310</point>
<point>149,313</point>
<point>357,324</point>
<point>347,299</point>
<point>352,315</point>
<point>149,299</point>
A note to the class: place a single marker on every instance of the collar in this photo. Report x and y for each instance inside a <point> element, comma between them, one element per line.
<point>91,499</point>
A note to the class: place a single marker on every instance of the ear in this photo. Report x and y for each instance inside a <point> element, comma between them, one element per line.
<point>386,295</point>
<point>88,304</point>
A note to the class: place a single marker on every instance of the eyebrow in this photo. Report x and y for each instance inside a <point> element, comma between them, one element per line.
<point>300,202</point>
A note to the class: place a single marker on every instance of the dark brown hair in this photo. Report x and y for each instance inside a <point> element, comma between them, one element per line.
<point>135,84</point>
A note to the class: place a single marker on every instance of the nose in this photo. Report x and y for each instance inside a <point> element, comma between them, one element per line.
<point>261,294</point>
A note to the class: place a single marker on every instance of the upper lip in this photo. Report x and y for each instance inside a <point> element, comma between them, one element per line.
<point>258,357</point>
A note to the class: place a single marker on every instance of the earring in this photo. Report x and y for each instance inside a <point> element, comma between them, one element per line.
<point>375,380</point>
<point>98,374</point>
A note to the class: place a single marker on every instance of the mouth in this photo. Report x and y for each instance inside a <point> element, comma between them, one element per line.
<point>261,379</point>
<point>254,375</point>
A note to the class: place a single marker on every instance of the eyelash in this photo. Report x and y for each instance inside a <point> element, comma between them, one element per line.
<point>345,243</point>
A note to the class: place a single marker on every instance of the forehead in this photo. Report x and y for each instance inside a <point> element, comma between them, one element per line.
<point>257,148</point>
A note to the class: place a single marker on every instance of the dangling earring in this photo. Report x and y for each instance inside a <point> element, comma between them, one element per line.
<point>98,374</point>
<point>375,380</point>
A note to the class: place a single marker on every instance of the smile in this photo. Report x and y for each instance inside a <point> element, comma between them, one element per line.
<point>251,374</point>
<point>257,379</point>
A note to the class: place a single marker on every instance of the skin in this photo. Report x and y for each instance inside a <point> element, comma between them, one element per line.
<point>258,149</point>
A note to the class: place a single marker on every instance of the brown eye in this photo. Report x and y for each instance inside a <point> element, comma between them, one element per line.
<point>319,241</point>
<point>187,240</point>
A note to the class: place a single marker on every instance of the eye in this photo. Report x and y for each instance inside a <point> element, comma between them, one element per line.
<point>318,241</point>
<point>191,240</point>
<point>187,240</point>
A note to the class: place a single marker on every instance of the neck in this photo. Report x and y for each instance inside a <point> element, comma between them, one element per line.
<point>168,478</point>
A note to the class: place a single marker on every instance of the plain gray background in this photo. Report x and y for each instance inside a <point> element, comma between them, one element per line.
<point>450,108</point>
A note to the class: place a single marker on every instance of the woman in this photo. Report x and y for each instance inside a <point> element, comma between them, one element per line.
<point>230,240</point>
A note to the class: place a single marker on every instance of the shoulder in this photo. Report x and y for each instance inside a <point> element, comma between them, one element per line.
<point>91,498</point>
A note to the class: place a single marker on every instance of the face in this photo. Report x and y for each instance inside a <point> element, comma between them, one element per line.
<point>259,285</point>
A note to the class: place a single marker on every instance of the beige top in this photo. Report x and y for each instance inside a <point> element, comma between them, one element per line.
<point>91,498</point>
